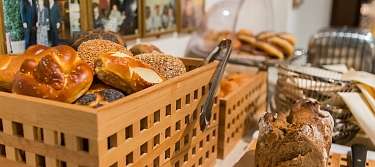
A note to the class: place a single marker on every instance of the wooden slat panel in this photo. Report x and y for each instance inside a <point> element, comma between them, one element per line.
<point>28,132</point>
<point>51,162</point>
<point>48,114</point>
<point>10,153</point>
<point>50,137</point>
<point>8,127</point>
<point>114,117</point>
<point>30,159</point>
<point>56,152</point>
<point>5,162</point>
<point>71,142</point>
<point>241,107</point>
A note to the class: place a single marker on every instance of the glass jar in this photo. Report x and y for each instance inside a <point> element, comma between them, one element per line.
<point>225,18</point>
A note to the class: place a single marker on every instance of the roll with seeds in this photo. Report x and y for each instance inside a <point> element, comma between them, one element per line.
<point>165,65</point>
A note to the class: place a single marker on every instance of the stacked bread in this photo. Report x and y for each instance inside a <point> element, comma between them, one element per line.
<point>99,72</point>
<point>272,44</point>
<point>301,138</point>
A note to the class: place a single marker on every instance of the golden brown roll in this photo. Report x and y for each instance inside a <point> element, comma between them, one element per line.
<point>283,44</point>
<point>35,50</point>
<point>124,72</point>
<point>289,37</point>
<point>271,50</point>
<point>165,65</point>
<point>265,35</point>
<point>59,75</point>
<point>99,95</point>
<point>144,48</point>
<point>245,32</point>
<point>10,65</point>
<point>90,50</point>
<point>249,40</point>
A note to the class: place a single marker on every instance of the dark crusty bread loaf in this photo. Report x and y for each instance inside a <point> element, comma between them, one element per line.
<point>303,138</point>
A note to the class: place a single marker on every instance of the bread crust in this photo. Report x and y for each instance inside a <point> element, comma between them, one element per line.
<point>119,71</point>
<point>59,75</point>
<point>303,138</point>
<point>10,65</point>
<point>165,65</point>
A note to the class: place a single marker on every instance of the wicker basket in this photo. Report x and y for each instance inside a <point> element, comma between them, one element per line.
<point>297,82</point>
<point>237,108</point>
<point>158,126</point>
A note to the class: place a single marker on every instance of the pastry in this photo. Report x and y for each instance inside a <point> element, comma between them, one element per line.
<point>271,50</point>
<point>302,138</point>
<point>245,32</point>
<point>165,65</point>
<point>284,45</point>
<point>250,40</point>
<point>10,65</point>
<point>90,50</point>
<point>99,95</point>
<point>124,72</point>
<point>265,35</point>
<point>59,75</point>
<point>144,48</point>
<point>98,34</point>
<point>35,50</point>
<point>289,37</point>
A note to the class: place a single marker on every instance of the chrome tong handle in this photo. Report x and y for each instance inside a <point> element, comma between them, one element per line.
<point>222,52</point>
<point>358,155</point>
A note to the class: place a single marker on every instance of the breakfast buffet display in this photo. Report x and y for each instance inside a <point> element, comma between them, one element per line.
<point>105,99</point>
<point>99,72</point>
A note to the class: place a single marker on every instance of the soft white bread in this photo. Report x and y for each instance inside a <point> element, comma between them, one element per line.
<point>124,72</point>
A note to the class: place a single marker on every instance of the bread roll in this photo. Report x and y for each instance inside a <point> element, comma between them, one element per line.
<point>289,37</point>
<point>124,72</point>
<point>59,75</point>
<point>303,138</point>
<point>245,32</point>
<point>10,65</point>
<point>165,65</point>
<point>99,95</point>
<point>284,45</point>
<point>247,39</point>
<point>271,50</point>
<point>99,34</point>
<point>265,35</point>
<point>144,48</point>
<point>90,50</point>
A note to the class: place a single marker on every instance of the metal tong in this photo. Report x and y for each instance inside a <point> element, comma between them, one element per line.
<point>357,156</point>
<point>221,52</point>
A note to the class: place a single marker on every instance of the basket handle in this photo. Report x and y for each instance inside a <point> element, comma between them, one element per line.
<point>222,52</point>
